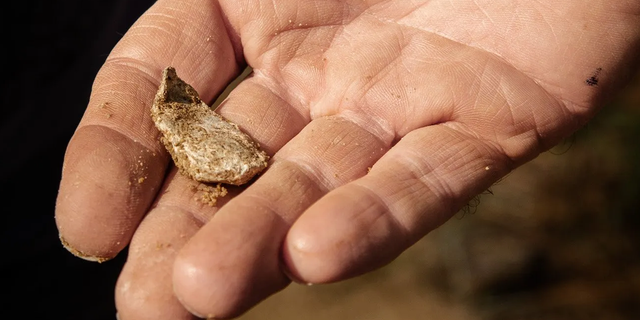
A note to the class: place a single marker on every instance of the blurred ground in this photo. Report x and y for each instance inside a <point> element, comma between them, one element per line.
<point>558,238</point>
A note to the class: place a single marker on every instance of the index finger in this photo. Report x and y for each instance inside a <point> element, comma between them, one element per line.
<point>114,164</point>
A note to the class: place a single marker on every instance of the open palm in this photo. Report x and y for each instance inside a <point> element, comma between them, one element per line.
<point>383,118</point>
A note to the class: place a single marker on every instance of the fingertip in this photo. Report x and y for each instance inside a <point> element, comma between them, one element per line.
<point>341,236</point>
<point>140,297</point>
<point>187,281</point>
<point>208,295</point>
<point>307,252</point>
<point>289,266</point>
<point>79,234</point>
<point>231,264</point>
<point>108,182</point>
<point>137,301</point>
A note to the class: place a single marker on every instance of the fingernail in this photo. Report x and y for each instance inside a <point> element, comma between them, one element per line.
<point>81,254</point>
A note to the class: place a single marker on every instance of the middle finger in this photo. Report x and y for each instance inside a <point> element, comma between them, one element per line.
<point>233,262</point>
<point>144,289</point>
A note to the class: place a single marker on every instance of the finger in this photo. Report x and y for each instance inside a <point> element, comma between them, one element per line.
<point>114,164</point>
<point>144,289</point>
<point>233,262</point>
<point>144,292</point>
<point>503,120</point>
<point>424,179</point>
<point>265,116</point>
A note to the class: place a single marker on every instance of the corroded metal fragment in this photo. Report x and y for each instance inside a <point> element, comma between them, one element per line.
<point>204,146</point>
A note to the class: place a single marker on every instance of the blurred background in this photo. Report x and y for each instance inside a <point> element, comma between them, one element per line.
<point>558,238</point>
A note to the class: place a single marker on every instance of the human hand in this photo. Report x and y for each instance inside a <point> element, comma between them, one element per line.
<point>439,98</point>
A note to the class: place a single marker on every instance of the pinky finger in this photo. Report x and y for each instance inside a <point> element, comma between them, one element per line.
<point>419,184</point>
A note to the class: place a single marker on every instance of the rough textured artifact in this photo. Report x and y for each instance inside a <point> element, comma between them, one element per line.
<point>203,145</point>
